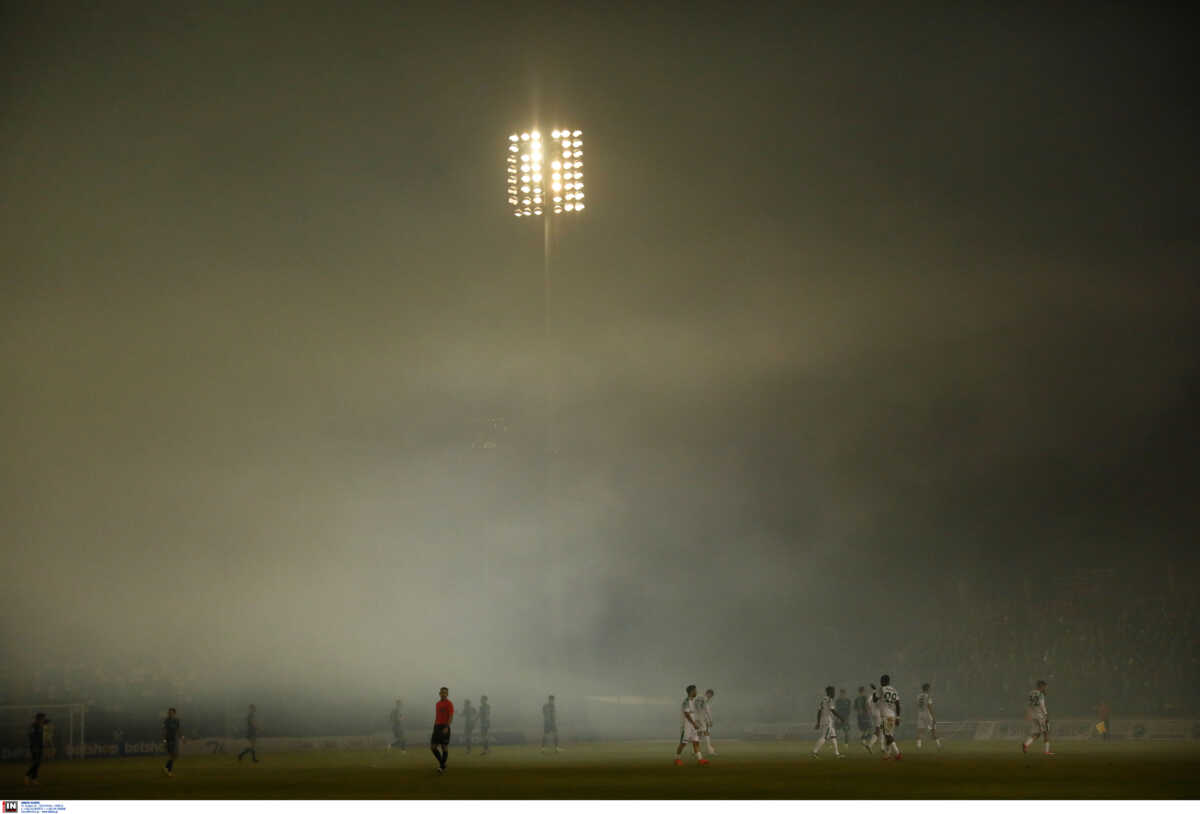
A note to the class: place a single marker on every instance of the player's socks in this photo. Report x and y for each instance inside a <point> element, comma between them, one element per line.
<point>918,743</point>
<point>820,744</point>
<point>1048,747</point>
<point>835,748</point>
<point>939,743</point>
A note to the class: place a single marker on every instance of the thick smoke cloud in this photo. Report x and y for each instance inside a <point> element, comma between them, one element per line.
<point>868,319</point>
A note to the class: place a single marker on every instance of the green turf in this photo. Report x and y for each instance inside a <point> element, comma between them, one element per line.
<point>642,770</point>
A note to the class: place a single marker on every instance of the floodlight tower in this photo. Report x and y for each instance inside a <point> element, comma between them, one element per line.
<point>545,179</point>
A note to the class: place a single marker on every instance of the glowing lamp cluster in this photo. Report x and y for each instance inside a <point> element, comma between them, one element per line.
<point>545,175</point>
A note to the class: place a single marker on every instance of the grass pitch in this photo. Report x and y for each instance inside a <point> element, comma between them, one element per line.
<point>640,770</point>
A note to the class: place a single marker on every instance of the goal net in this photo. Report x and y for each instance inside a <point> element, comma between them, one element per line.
<point>63,736</point>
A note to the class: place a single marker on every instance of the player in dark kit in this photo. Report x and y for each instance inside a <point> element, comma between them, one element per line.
<point>842,705</point>
<point>549,724</point>
<point>443,716</point>
<point>469,718</point>
<point>251,734</point>
<point>863,715</point>
<point>36,744</point>
<point>171,739</point>
<point>398,727</point>
<point>485,721</point>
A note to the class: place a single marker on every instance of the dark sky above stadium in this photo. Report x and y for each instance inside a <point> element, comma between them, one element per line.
<point>874,307</point>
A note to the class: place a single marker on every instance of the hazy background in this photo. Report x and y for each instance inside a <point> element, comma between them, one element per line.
<point>878,319</point>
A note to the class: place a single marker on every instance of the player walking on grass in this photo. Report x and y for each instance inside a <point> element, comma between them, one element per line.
<point>1039,719</point>
<point>485,721</point>
<point>827,714</point>
<point>550,724</point>
<point>172,739</point>
<point>690,728</point>
<point>397,717</point>
<point>925,719</point>
<point>874,709</point>
<point>251,735</point>
<point>469,718</point>
<point>889,700</point>
<point>36,745</point>
<point>706,719</point>
<point>842,705</point>
<point>443,716</point>
<point>863,716</point>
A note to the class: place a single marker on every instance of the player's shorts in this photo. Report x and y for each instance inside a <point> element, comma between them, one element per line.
<point>548,728</point>
<point>828,731</point>
<point>876,719</point>
<point>889,724</point>
<point>1038,726</point>
<point>441,735</point>
<point>924,721</point>
<point>173,749</point>
<point>689,734</point>
<point>864,724</point>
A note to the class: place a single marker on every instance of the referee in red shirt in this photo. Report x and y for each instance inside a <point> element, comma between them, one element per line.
<point>443,717</point>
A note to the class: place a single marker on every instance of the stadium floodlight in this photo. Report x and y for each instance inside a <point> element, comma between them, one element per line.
<point>530,190</point>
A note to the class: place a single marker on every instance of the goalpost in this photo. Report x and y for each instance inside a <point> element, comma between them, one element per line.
<point>63,736</point>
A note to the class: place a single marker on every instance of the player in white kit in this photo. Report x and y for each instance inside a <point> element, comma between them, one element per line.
<point>825,724</point>
<point>889,708</point>
<point>1039,719</point>
<point>925,719</point>
<point>689,731</point>
<point>704,705</point>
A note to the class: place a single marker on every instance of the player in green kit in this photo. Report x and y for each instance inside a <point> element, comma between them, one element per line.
<point>251,735</point>
<point>397,717</point>
<point>172,739</point>
<point>485,721</point>
<point>469,719</point>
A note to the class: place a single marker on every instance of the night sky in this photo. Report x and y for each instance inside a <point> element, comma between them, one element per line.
<point>870,307</point>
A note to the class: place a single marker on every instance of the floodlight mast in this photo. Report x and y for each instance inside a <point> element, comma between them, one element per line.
<point>544,176</point>
<point>544,179</point>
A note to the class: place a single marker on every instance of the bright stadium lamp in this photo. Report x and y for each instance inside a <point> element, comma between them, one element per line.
<point>530,190</point>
